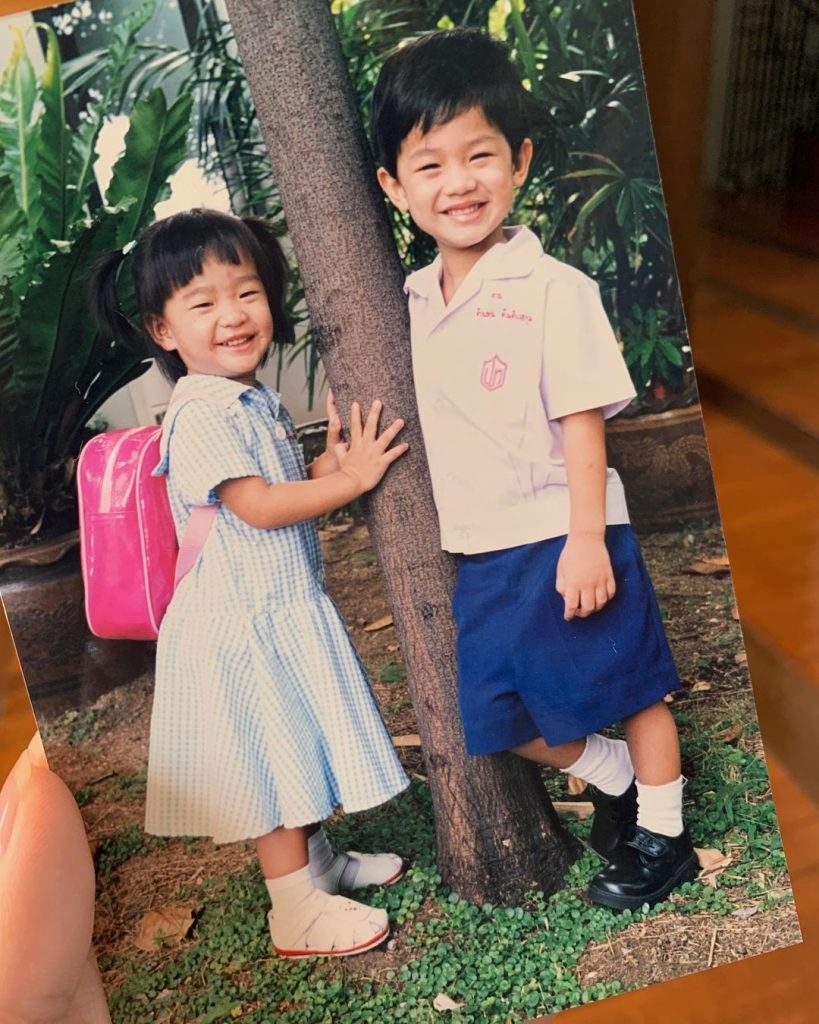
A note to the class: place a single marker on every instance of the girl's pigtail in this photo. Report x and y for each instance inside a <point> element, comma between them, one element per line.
<point>274,271</point>
<point>103,300</point>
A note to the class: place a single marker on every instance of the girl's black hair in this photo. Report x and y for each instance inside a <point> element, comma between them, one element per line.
<point>166,256</point>
<point>438,75</point>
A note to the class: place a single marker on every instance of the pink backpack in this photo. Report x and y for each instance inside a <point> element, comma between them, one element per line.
<point>131,562</point>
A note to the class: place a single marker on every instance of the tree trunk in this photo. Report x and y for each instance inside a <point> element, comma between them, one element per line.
<point>497,834</point>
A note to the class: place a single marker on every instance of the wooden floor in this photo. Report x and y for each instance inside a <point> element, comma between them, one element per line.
<point>755,333</point>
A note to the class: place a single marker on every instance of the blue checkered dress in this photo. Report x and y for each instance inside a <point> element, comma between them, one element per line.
<point>262,713</point>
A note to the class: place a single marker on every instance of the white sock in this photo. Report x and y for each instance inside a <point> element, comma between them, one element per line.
<point>605,764</point>
<point>332,872</point>
<point>287,892</point>
<point>659,808</point>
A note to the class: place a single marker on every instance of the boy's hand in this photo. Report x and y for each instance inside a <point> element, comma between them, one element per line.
<point>585,579</point>
<point>368,456</point>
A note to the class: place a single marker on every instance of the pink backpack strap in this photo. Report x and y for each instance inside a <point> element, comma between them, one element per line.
<point>193,540</point>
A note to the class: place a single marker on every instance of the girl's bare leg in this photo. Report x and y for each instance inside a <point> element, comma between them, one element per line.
<point>282,851</point>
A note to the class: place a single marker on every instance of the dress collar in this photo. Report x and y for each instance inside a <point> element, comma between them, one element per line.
<point>221,391</point>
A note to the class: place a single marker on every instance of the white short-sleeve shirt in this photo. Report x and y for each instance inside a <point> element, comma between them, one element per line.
<point>523,342</point>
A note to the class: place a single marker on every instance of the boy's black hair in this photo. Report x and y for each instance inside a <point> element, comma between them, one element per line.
<point>167,255</point>
<point>430,80</point>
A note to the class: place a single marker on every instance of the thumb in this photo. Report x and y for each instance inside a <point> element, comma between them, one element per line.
<point>340,450</point>
<point>333,430</point>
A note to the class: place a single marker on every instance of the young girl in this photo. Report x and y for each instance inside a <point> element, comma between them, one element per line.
<point>263,721</point>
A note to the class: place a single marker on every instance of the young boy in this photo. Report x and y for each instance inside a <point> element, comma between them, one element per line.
<point>516,368</point>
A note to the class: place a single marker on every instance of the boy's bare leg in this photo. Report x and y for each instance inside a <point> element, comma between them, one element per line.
<point>562,756</point>
<point>654,745</point>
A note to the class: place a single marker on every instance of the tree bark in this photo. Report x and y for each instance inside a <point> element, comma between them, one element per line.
<point>497,834</point>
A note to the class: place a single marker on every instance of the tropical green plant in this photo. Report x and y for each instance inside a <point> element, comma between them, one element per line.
<point>655,355</point>
<point>55,368</point>
<point>593,193</point>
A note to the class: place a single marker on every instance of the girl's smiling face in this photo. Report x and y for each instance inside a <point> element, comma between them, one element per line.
<point>219,322</point>
<point>458,181</point>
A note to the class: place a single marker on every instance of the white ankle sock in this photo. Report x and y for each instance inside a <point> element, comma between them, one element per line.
<point>659,808</point>
<point>288,891</point>
<point>605,764</point>
<point>332,872</point>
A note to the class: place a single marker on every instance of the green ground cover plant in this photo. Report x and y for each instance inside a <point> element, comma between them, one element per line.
<point>494,964</point>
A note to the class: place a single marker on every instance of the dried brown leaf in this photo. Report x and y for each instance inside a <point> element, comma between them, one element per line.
<point>710,567</point>
<point>442,1003</point>
<point>382,623</point>
<point>735,613</point>
<point>712,863</point>
<point>701,686</point>
<point>741,658</point>
<point>731,734</point>
<point>169,924</point>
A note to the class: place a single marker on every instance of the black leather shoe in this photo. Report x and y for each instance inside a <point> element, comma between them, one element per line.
<point>644,869</point>
<point>614,819</point>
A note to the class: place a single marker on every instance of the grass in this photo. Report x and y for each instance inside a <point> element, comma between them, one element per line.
<point>502,964</point>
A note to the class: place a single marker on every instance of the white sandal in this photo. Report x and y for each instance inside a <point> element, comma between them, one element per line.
<point>327,925</point>
<point>377,864</point>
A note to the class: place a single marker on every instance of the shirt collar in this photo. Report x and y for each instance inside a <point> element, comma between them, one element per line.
<point>516,257</point>
<point>221,391</point>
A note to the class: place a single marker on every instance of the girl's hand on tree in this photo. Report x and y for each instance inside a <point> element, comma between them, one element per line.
<point>368,456</point>
<point>585,579</point>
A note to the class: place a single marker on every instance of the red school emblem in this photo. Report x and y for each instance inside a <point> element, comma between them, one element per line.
<point>493,373</point>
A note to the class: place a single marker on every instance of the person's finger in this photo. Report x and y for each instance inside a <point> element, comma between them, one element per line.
<point>601,596</point>
<point>371,426</point>
<point>47,896</point>
<point>571,603</point>
<point>333,430</point>
<point>330,404</point>
<point>356,428</point>
<point>340,449</point>
<point>587,602</point>
<point>611,587</point>
<point>389,433</point>
<point>395,453</point>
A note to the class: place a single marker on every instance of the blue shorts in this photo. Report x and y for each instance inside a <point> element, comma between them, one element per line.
<point>523,671</point>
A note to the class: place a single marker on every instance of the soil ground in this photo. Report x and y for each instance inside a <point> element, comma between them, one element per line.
<point>102,752</point>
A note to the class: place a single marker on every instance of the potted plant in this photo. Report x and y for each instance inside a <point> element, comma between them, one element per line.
<point>55,369</point>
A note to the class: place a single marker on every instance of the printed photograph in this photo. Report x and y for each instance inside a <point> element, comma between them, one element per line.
<point>358,536</point>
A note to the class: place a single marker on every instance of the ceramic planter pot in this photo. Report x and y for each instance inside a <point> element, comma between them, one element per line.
<point>663,461</point>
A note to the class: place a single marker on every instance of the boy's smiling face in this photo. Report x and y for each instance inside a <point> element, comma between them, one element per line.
<point>457,181</point>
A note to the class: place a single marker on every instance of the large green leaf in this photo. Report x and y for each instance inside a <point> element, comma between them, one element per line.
<point>54,146</point>
<point>55,333</point>
<point>155,145</point>
<point>20,130</point>
<point>118,56</point>
<point>12,223</point>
